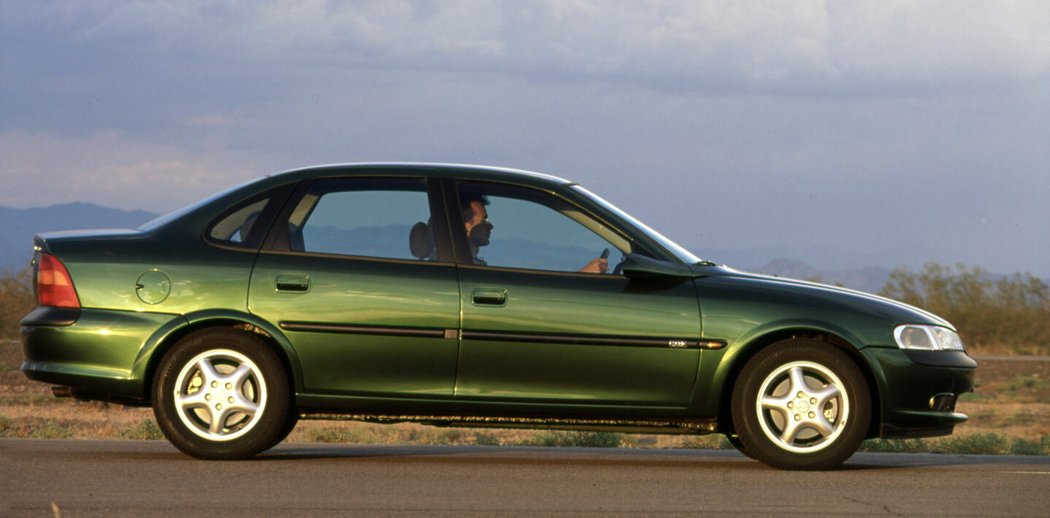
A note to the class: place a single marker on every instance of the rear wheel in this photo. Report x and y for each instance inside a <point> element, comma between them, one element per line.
<point>801,404</point>
<point>222,394</point>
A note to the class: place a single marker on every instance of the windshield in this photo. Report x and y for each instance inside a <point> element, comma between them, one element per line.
<point>178,213</point>
<point>681,253</point>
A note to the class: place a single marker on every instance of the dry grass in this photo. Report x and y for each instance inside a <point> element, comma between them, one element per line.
<point>1009,413</point>
<point>1012,399</point>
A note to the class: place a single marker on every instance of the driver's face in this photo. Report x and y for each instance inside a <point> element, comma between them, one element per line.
<point>481,215</point>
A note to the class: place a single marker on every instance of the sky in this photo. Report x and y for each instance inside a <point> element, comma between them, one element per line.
<point>845,134</point>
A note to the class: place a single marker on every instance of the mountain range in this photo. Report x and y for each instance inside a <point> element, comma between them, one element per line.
<point>17,227</point>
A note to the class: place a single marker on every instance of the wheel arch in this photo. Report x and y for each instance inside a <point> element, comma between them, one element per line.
<point>148,359</point>
<point>745,352</point>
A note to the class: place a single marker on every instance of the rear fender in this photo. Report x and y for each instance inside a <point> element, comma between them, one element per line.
<point>166,337</point>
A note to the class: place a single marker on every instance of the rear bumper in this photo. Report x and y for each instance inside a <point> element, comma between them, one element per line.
<point>94,352</point>
<point>918,390</point>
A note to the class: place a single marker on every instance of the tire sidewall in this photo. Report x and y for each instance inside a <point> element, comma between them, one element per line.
<point>273,418</point>
<point>746,392</point>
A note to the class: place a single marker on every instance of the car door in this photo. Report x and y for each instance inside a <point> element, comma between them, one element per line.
<point>353,275</point>
<point>535,329</point>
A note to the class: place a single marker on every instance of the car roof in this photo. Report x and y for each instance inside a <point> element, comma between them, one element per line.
<point>467,171</point>
<point>207,209</point>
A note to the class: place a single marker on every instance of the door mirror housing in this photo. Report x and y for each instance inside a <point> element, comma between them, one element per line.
<point>635,265</point>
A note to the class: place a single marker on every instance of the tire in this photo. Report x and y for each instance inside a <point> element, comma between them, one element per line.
<point>735,441</point>
<point>801,405</point>
<point>289,425</point>
<point>222,394</point>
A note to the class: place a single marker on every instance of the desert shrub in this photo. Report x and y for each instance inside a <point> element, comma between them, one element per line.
<point>577,439</point>
<point>895,446</point>
<point>36,428</point>
<point>1026,447</point>
<point>144,430</point>
<point>979,443</point>
<point>707,442</point>
<point>486,439</point>
<point>973,444</point>
<point>330,435</point>
<point>16,299</point>
<point>993,315</point>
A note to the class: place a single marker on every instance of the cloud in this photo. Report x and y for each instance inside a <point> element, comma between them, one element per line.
<point>108,168</point>
<point>872,125</point>
<point>700,45</point>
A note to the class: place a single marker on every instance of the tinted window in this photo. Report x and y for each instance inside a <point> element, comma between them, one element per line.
<point>535,230</point>
<point>363,217</point>
<point>236,227</point>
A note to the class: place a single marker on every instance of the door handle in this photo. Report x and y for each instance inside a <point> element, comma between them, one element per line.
<point>489,297</point>
<point>296,283</point>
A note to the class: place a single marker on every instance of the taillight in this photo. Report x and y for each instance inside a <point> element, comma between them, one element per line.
<point>54,287</point>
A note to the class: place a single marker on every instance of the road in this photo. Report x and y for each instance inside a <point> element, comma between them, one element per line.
<point>144,478</point>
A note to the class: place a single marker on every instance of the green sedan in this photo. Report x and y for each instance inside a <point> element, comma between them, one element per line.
<point>470,296</point>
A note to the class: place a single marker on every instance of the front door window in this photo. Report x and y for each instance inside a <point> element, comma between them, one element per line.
<point>514,227</point>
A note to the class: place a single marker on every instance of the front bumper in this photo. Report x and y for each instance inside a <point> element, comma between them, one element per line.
<point>918,390</point>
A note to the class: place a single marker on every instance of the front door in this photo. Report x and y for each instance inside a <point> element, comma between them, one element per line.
<point>543,324</point>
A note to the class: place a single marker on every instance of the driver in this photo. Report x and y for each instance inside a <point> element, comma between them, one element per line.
<point>479,230</point>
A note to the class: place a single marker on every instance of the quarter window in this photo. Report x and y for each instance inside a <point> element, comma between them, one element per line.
<point>236,228</point>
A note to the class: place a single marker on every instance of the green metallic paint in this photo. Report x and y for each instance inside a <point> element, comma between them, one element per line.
<point>906,388</point>
<point>750,311</point>
<point>153,287</point>
<point>167,335</point>
<point>118,337</point>
<point>102,347</point>
<point>735,302</point>
<point>201,276</point>
<point>578,304</point>
<point>362,292</point>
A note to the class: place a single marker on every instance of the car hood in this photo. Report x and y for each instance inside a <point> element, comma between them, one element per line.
<point>822,295</point>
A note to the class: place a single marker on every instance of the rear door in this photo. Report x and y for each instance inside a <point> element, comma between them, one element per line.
<point>355,277</point>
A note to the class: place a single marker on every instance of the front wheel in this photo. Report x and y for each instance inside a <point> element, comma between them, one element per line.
<point>801,404</point>
<point>222,394</point>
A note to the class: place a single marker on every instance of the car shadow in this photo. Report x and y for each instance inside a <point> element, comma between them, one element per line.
<point>670,458</point>
<point>515,454</point>
<point>871,460</point>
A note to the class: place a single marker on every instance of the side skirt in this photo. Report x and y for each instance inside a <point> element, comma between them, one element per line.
<point>661,426</point>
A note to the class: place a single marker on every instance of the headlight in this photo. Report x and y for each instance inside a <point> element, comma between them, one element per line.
<point>927,338</point>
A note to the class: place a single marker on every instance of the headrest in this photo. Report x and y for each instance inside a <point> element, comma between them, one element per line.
<point>421,240</point>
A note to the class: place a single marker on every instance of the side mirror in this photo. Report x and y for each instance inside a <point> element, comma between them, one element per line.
<point>635,265</point>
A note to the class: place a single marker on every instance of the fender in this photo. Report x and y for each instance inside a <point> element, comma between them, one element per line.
<point>164,337</point>
<point>717,366</point>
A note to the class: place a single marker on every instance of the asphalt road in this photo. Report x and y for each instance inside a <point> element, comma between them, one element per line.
<point>142,478</point>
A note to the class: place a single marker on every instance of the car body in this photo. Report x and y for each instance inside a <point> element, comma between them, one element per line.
<point>360,291</point>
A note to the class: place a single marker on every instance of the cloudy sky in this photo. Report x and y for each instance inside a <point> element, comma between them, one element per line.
<point>847,134</point>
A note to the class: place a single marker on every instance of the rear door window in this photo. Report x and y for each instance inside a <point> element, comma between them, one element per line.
<point>383,218</point>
